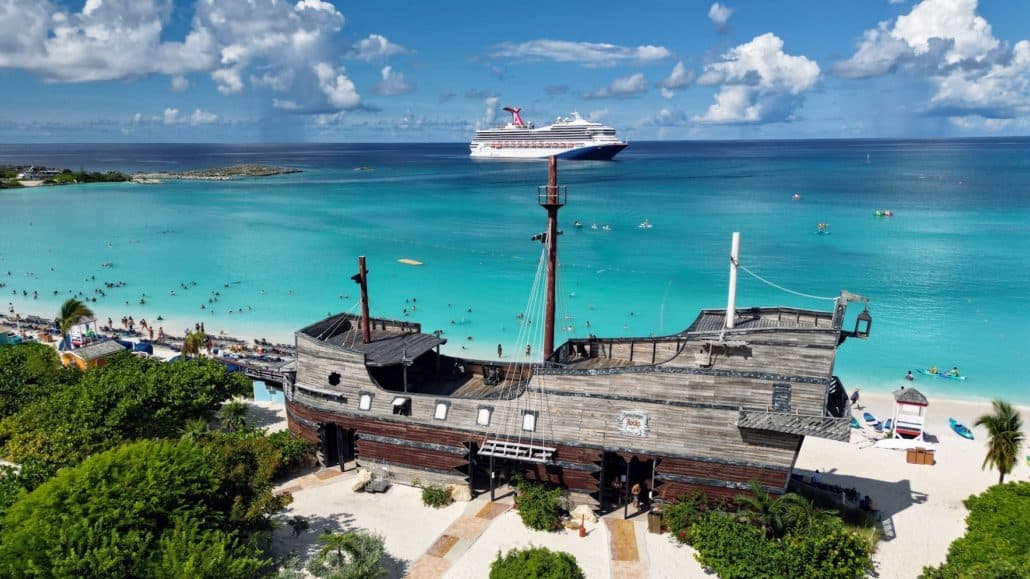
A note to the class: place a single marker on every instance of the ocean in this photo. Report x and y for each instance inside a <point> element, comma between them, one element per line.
<point>946,276</point>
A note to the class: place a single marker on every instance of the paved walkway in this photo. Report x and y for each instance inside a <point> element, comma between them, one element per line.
<point>457,538</point>
<point>625,549</point>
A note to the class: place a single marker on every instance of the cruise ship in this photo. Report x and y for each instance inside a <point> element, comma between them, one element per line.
<point>568,138</point>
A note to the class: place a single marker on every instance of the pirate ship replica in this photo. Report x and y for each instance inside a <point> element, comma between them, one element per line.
<point>726,401</point>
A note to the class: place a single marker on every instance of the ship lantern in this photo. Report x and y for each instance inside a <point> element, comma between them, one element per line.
<point>863,324</point>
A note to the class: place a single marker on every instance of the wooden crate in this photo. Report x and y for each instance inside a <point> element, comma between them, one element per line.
<point>920,456</point>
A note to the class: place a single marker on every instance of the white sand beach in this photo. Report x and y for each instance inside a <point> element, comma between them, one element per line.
<point>922,505</point>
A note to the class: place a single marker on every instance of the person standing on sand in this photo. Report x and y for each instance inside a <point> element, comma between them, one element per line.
<point>854,398</point>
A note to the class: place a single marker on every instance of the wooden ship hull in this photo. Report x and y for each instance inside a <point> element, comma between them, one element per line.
<point>725,402</point>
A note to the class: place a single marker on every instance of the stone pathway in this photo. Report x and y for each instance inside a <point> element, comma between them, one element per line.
<point>624,550</point>
<point>456,539</point>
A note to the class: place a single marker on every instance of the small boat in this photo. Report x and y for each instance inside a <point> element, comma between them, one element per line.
<point>856,424</point>
<point>943,375</point>
<point>577,224</point>
<point>645,224</point>
<point>888,424</point>
<point>593,226</point>
<point>872,422</point>
<point>606,227</point>
<point>960,429</point>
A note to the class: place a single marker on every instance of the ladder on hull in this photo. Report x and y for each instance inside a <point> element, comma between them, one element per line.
<point>516,451</point>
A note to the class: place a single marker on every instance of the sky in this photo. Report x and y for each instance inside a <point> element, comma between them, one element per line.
<point>410,71</point>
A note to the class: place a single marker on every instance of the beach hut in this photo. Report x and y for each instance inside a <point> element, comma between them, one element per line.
<point>909,413</point>
<point>92,356</point>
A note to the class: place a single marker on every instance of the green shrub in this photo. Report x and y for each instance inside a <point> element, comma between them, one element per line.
<point>295,452</point>
<point>539,506</point>
<point>680,515</point>
<point>436,497</point>
<point>997,539</point>
<point>355,555</point>
<point>827,549</point>
<point>535,563</point>
<point>144,510</point>
<point>733,550</point>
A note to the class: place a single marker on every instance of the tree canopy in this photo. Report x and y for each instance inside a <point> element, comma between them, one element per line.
<point>1005,437</point>
<point>150,508</point>
<point>29,372</point>
<point>997,542</point>
<point>130,398</point>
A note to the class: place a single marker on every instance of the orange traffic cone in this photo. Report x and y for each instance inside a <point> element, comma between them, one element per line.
<point>582,528</point>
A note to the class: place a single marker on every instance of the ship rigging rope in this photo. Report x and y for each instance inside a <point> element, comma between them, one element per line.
<point>512,404</point>
<point>780,287</point>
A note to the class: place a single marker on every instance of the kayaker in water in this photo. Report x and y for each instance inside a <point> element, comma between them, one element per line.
<point>953,371</point>
<point>909,376</point>
<point>933,370</point>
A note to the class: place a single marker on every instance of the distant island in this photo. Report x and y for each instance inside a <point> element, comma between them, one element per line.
<point>216,174</point>
<point>33,175</point>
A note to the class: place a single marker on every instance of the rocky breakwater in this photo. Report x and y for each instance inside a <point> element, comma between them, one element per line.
<point>216,174</point>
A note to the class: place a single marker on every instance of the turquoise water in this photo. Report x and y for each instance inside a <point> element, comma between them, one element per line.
<point>947,275</point>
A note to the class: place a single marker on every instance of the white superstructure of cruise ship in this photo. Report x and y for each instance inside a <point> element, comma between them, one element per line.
<point>568,138</point>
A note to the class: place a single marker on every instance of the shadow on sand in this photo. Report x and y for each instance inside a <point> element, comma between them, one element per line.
<point>889,498</point>
<point>304,545</point>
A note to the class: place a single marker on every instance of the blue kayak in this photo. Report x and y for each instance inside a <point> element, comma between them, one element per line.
<point>872,422</point>
<point>942,375</point>
<point>855,423</point>
<point>887,425</point>
<point>960,429</point>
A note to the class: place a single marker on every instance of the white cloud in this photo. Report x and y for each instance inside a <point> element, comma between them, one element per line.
<point>200,117</point>
<point>392,83</point>
<point>375,47</point>
<point>137,118</point>
<point>1002,91</point>
<point>179,83</point>
<point>278,80</point>
<point>228,80</point>
<point>119,39</point>
<point>173,116</point>
<point>104,41</point>
<point>970,71</point>
<point>590,54</point>
<point>489,114</point>
<point>597,115</point>
<point>680,77</point>
<point>719,14</point>
<point>285,105</point>
<point>951,28</point>
<point>758,83</point>
<point>338,89</point>
<point>623,87</point>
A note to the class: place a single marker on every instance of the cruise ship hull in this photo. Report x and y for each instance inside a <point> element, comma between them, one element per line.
<point>602,152</point>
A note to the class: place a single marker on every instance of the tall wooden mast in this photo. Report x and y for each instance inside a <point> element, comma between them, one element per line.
<point>551,198</point>
<point>362,280</point>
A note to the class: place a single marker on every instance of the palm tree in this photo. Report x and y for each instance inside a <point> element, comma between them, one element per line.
<point>193,343</point>
<point>233,415</point>
<point>777,516</point>
<point>1004,429</point>
<point>72,311</point>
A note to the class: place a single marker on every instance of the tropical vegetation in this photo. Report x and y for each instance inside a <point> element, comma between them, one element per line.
<point>121,473</point>
<point>354,555</point>
<point>997,540</point>
<point>535,563</point>
<point>72,312</point>
<point>1004,437</point>
<point>769,537</point>
<point>436,496</point>
<point>539,505</point>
